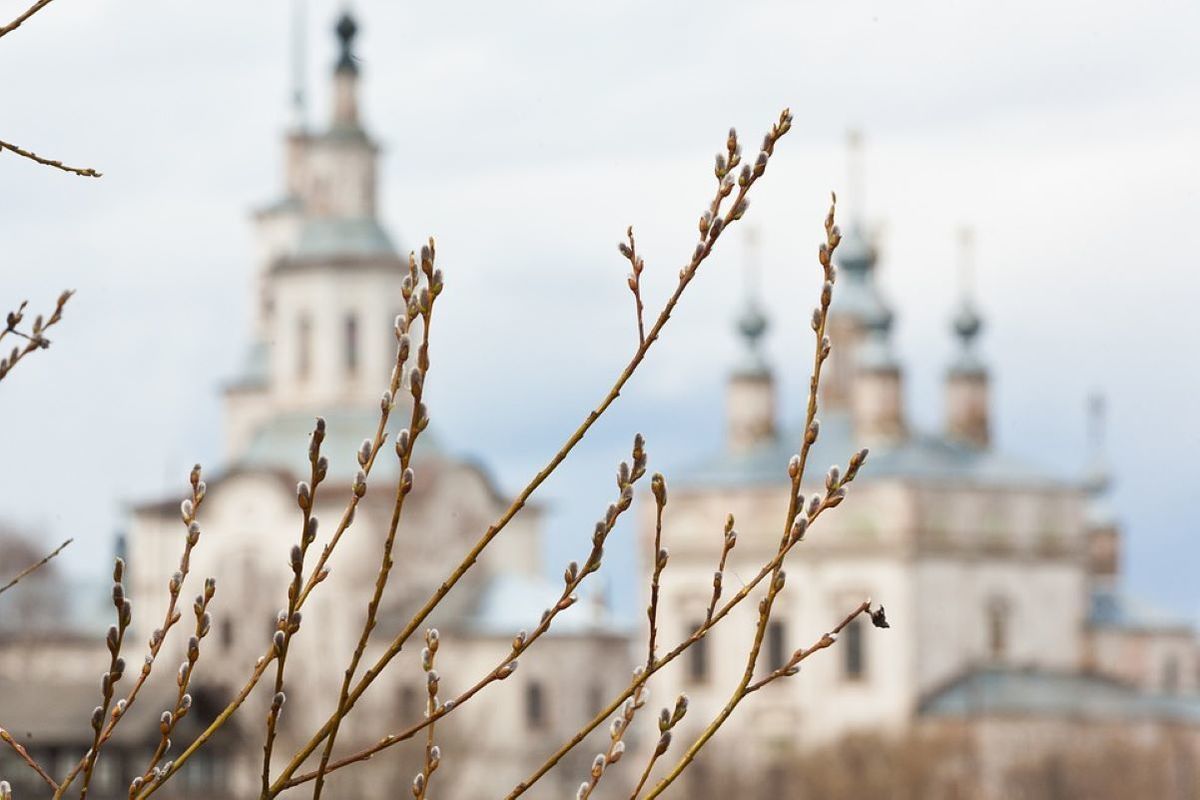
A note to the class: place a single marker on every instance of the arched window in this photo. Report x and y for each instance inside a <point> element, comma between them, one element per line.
<point>1170,675</point>
<point>226,632</point>
<point>997,627</point>
<point>351,343</point>
<point>777,653</point>
<point>303,346</point>
<point>854,657</point>
<point>535,705</point>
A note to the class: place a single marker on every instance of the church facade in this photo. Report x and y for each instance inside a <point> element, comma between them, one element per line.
<point>1001,579</point>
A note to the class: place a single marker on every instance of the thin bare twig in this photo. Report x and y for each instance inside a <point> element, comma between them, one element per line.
<point>658,485</point>
<point>727,543</point>
<point>433,753</point>
<point>419,302</point>
<point>289,625</point>
<point>189,509</point>
<point>827,640</point>
<point>666,721</point>
<point>34,567</point>
<point>26,14</point>
<point>116,668</point>
<point>33,341</point>
<point>183,701</point>
<point>23,754</point>
<point>616,745</point>
<point>636,265</point>
<point>86,172</point>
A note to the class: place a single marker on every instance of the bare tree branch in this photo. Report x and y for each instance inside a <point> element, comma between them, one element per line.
<point>86,172</point>
<point>34,567</point>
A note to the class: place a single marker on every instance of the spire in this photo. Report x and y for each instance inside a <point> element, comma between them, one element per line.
<point>345,74</point>
<point>967,417</point>
<point>967,323</point>
<point>1097,479</point>
<point>346,30</point>
<point>299,65</point>
<point>857,302</point>
<point>855,181</point>
<point>752,322</point>
<point>856,253</point>
<point>876,352</point>
<point>750,396</point>
<point>1104,532</point>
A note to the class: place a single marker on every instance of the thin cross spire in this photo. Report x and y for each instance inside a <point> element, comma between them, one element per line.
<point>855,175</point>
<point>299,64</point>
<point>966,263</point>
<point>752,323</point>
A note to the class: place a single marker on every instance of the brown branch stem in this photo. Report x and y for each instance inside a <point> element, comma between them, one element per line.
<point>711,227</point>
<point>34,567</point>
<point>86,172</point>
<point>23,754</point>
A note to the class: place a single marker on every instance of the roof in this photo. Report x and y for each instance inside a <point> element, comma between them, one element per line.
<point>1034,692</point>
<point>343,236</point>
<point>922,457</point>
<point>43,711</point>
<point>281,442</point>
<point>511,602</point>
<point>1112,609</point>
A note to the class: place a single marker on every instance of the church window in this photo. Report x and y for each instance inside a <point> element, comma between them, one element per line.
<point>1170,675</point>
<point>303,346</point>
<point>226,632</point>
<point>854,657</point>
<point>410,699</point>
<point>777,654</point>
<point>595,699</point>
<point>351,343</point>
<point>697,655</point>
<point>535,705</point>
<point>997,628</point>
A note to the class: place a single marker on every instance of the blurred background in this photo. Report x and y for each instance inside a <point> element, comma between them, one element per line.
<point>526,137</point>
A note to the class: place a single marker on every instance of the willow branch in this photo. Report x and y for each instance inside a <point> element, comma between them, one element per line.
<point>419,306</point>
<point>23,754</point>
<point>289,624</point>
<point>86,172</point>
<point>318,574</point>
<point>658,485</point>
<point>797,521</point>
<point>34,567</point>
<point>712,223</point>
<point>667,720</point>
<point>796,469</point>
<point>189,509</point>
<point>573,578</point>
<point>827,640</point>
<point>33,341</point>
<point>26,14</point>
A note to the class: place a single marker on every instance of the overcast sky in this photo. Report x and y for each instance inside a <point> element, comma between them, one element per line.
<point>526,136</point>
